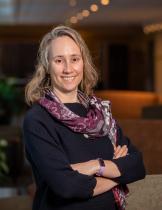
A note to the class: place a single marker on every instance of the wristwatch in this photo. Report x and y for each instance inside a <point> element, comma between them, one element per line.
<point>102,167</point>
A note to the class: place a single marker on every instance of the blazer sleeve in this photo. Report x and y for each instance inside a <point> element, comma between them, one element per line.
<point>51,163</point>
<point>131,166</point>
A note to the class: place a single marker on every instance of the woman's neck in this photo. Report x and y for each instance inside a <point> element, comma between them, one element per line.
<point>70,97</point>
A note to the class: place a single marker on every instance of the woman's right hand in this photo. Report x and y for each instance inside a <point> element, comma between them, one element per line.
<point>90,167</point>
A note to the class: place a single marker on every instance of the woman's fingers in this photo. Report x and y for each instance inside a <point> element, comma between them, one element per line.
<point>123,151</point>
<point>117,150</point>
<point>120,151</point>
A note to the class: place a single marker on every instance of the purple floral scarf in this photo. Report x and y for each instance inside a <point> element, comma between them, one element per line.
<point>98,122</point>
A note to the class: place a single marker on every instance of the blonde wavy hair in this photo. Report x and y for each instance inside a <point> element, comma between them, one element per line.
<point>41,80</point>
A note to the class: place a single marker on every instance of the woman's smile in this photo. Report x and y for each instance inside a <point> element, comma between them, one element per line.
<point>69,78</point>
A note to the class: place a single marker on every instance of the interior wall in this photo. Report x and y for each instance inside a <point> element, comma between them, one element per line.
<point>158,63</point>
<point>99,40</point>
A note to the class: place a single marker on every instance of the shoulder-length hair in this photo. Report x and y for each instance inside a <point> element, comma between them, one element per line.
<point>40,80</point>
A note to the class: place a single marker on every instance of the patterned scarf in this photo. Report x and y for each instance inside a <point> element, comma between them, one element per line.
<point>98,122</point>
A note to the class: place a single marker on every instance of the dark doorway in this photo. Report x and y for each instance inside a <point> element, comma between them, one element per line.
<point>118,66</point>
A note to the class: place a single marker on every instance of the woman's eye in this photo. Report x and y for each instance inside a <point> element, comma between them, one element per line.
<point>75,59</point>
<point>58,61</point>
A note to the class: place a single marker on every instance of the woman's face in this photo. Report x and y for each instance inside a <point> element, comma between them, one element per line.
<point>65,65</point>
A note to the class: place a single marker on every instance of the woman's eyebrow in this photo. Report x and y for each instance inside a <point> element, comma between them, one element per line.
<point>61,56</point>
<point>76,55</point>
<point>58,56</point>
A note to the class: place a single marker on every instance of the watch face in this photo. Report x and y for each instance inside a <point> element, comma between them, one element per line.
<point>101,162</point>
<point>102,166</point>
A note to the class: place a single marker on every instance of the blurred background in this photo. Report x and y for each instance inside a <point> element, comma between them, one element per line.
<point>125,40</point>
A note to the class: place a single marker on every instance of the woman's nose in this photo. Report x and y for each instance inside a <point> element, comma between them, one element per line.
<point>67,67</point>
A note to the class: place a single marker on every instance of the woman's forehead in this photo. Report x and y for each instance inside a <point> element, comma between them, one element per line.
<point>64,45</point>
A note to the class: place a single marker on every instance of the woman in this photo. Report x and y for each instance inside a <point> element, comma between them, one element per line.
<point>79,156</point>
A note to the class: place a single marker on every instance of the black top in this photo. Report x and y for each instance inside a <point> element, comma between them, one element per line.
<point>51,148</point>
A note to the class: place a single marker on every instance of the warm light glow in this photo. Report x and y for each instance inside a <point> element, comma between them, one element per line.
<point>105,2</point>
<point>94,8</point>
<point>79,16</point>
<point>85,13</point>
<point>73,19</point>
<point>72,3</point>
<point>152,28</point>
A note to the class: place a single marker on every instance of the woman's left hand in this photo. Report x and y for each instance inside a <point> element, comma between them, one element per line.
<point>120,151</point>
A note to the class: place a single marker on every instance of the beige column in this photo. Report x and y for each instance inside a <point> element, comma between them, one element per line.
<point>158,63</point>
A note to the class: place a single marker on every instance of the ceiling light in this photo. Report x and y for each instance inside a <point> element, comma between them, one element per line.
<point>85,13</point>
<point>72,3</point>
<point>79,16</point>
<point>105,2</point>
<point>94,8</point>
<point>73,19</point>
